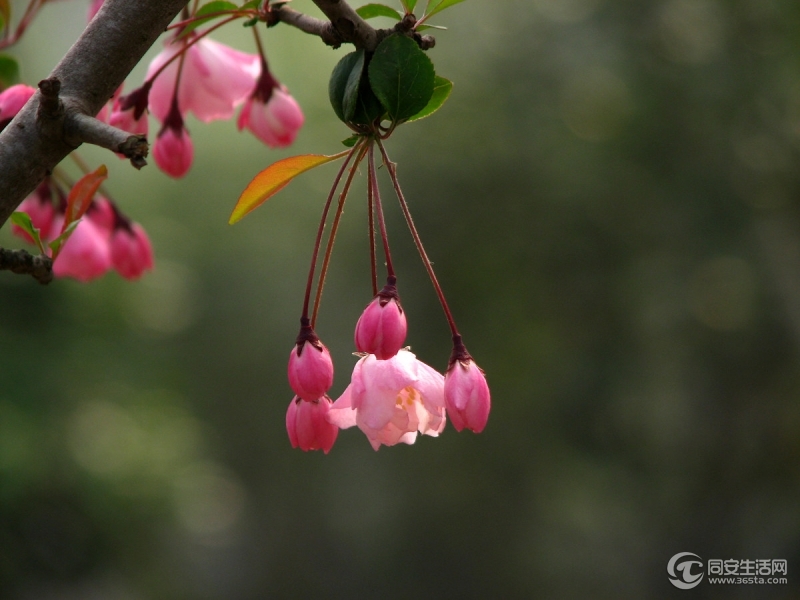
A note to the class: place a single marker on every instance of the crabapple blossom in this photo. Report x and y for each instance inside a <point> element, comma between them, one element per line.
<point>466,395</point>
<point>128,115</point>
<point>12,100</point>
<point>308,426</point>
<point>271,113</point>
<point>381,329</point>
<point>310,367</point>
<point>214,79</point>
<point>131,251</point>
<point>173,150</point>
<point>85,255</point>
<point>391,400</point>
<point>39,207</point>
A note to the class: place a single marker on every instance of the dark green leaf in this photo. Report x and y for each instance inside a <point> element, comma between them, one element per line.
<point>351,141</point>
<point>344,84</point>
<point>212,8</point>
<point>251,23</point>
<point>401,75</point>
<point>23,221</point>
<point>369,11</point>
<point>439,6</point>
<point>9,71</point>
<point>409,5</point>
<point>58,243</point>
<point>441,91</point>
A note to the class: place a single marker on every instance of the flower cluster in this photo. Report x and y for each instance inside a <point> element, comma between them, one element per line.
<point>104,239</point>
<point>392,396</point>
<point>194,74</point>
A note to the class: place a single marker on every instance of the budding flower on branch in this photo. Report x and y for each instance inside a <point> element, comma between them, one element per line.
<point>466,392</point>
<point>310,366</point>
<point>381,330</point>
<point>307,424</point>
<point>270,112</point>
<point>173,150</point>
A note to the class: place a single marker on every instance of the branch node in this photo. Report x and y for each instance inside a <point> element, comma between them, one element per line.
<point>50,114</point>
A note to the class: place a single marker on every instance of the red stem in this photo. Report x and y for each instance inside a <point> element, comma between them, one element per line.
<point>376,196</point>
<point>332,237</point>
<point>390,166</point>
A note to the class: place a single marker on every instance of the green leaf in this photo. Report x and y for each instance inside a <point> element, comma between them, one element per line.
<point>439,6</point>
<point>351,141</point>
<point>23,221</point>
<point>401,75</point>
<point>370,11</point>
<point>58,243</point>
<point>251,22</point>
<point>9,71</point>
<point>344,83</point>
<point>441,92</point>
<point>274,178</point>
<point>252,4</point>
<point>409,5</point>
<point>212,8</point>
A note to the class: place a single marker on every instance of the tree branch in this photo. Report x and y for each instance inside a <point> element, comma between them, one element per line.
<point>96,65</point>
<point>323,29</point>
<point>350,26</point>
<point>21,261</point>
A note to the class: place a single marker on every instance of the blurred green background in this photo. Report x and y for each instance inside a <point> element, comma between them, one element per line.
<point>610,197</point>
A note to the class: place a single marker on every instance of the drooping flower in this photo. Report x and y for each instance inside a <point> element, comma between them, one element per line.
<point>129,112</point>
<point>381,329</point>
<point>270,112</point>
<point>466,395</point>
<point>214,79</point>
<point>173,150</point>
<point>85,255</point>
<point>310,366</point>
<point>466,392</point>
<point>131,251</point>
<point>391,400</point>
<point>11,102</point>
<point>40,209</point>
<point>308,426</point>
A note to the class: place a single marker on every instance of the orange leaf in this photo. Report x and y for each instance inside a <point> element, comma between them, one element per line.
<point>274,178</point>
<point>81,194</point>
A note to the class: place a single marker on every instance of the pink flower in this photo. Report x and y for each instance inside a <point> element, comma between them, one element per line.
<point>310,367</point>
<point>275,121</point>
<point>39,207</point>
<point>391,400</point>
<point>85,255</point>
<point>103,214</point>
<point>466,396</point>
<point>11,102</point>
<point>131,252</point>
<point>129,112</point>
<point>214,80</point>
<point>381,329</point>
<point>308,426</point>
<point>173,150</point>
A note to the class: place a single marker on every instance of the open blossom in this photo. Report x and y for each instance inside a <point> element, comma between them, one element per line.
<point>308,426</point>
<point>214,80</point>
<point>85,255</point>
<point>270,112</point>
<point>466,395</point>
<point>391,400</point>
<point>381,329</point>
<point>129,112</point>
<point>11,102</point>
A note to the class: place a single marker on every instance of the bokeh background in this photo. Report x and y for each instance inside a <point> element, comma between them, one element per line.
<point>610,197</point>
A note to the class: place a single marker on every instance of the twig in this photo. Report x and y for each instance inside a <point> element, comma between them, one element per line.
<point>39,266</point>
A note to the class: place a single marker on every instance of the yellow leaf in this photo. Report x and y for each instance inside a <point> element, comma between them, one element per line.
<point>274,178</point>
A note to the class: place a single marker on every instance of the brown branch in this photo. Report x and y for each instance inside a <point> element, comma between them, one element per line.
<point>322,29</point>
<point>110,46</point>
<point>348,24</point>
<point>83,128</point>
<point>22,262</point>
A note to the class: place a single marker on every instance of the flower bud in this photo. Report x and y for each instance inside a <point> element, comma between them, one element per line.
<point>466,395</point>
<point>12,100</point>
<point>308,426</point>
<point>310,367</point>
<point>85,255</point>
<point>131,252</point>
<point>381,329</point>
